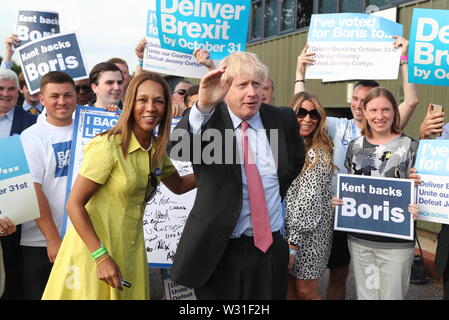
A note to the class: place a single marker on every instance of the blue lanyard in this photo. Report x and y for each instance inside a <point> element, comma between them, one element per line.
<point>345,141</point>
<point>354,130</point>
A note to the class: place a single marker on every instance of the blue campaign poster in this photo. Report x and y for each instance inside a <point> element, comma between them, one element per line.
<point>17,194</point>
<point>433,157</point>
<point>89,122</point>
<point>34,25</point>
<point>352,27</point>
<point>353,46</point>
<point>12,163</point>
<point>377,206</point>
<point>218,26</point>
<point>59,52</point>
<point>429,38</point>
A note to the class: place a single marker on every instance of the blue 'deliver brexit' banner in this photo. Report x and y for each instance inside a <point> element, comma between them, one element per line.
<point>218,26</point>
<point>428,53</point>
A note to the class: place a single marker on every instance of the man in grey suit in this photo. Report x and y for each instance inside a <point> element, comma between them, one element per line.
<point>231,137</point>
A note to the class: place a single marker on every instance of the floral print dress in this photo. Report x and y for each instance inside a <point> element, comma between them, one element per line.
<point>310,219</point>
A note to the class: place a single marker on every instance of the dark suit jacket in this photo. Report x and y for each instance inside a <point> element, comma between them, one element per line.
<point>442,252</point>
<point>219,191</point>
<point>21,120</point>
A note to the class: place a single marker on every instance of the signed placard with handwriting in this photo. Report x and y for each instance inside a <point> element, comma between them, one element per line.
<point>164,219</point>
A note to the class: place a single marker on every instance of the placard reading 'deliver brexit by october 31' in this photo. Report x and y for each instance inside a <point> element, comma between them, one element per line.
<point>428,54</point>
<point>17,195</point>
<point>353,46</point>
<point>165,61</point>
<point>377,206</point>
<point>218,26</point>
<point>59,52</point>
<point>432,164</point>
<point>34,25</point>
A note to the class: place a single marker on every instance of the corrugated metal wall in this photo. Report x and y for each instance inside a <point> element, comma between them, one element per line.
<point>280,56</point>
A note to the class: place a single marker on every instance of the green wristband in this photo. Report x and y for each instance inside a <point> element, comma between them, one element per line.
<point>98,253</point>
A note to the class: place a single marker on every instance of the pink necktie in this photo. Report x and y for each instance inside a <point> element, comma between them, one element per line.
<point>258,205</point>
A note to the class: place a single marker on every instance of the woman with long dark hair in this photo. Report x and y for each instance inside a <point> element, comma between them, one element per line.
<point>104,250</point>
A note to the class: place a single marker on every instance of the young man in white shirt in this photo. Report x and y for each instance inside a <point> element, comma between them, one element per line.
<point>47,146</point>
<point>107,82</point>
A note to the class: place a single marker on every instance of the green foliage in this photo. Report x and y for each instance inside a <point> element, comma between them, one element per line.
<point>15,67</point>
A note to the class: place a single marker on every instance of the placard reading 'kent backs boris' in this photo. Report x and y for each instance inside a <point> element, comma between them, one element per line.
<point>60,52</point>
<point>377,206</point>
<point>34,25</point>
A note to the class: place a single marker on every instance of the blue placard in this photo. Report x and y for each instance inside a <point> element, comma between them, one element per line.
<point>17,194</point>
<point>429,39</point>
<point>94,124</point>
<point>34,25</point>
<point>55,53</point>
<point>218,26</point>
<point>433,157</point>
<point>352,27</point>
<point>152,31</point>
<point>13,163</point>
<point>89,122</point>
<point>377,206</point>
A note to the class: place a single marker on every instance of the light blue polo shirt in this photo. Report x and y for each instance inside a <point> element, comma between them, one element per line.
<point>341,131</point>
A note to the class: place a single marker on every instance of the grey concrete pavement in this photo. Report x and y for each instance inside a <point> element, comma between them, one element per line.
<point>432,290</point>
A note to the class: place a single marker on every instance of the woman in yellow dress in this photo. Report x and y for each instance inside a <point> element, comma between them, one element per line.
<point>120,172</point>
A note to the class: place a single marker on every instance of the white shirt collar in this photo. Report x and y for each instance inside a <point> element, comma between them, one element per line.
<point>10,114</point>
<point>254,122</point>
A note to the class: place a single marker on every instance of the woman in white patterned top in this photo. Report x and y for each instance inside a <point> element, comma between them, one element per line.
<point>309,217</point>
<point>381,264</point>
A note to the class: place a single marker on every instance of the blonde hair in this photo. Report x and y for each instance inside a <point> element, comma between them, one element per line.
<point>243,63</point>
<point>376,93</point>
<point>318,139</point>
<point>126,123</point>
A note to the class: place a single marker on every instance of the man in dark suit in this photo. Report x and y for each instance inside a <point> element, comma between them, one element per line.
<point>231,247</point>
<point>13,120</point>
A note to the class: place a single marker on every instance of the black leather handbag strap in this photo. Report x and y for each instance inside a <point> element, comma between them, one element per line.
<point>419,245</point>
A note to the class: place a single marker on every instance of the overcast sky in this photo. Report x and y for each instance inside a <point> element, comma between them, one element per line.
<point>106,28</point>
